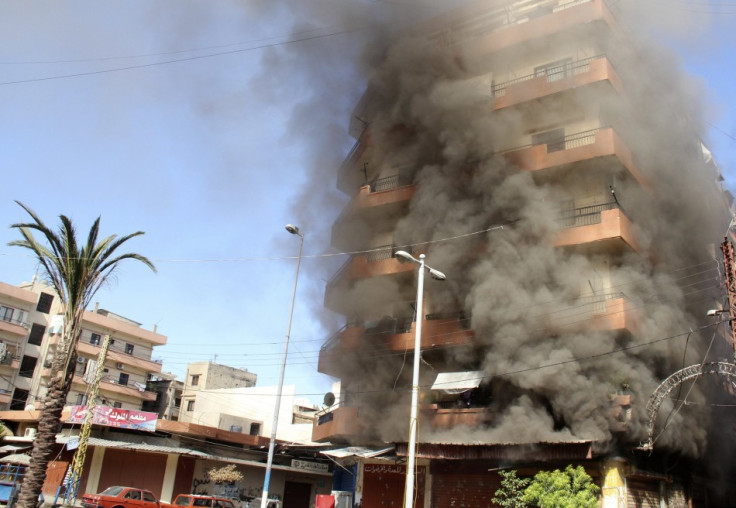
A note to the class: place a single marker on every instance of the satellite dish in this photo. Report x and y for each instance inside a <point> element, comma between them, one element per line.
<point>329,399</point>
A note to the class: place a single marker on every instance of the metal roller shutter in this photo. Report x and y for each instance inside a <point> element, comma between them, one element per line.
<point>464,490</point>
<point>642,494</point>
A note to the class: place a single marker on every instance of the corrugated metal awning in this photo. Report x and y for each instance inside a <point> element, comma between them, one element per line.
<point>457,382</point>
<point>356,451</point>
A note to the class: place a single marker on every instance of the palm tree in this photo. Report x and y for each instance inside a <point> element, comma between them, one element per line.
<point>75,272</point>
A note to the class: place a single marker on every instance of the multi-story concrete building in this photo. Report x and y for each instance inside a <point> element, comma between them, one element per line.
<point>30,333</point>
<point>168,396</point>
<point>210,376</point>
<point>549,162</point>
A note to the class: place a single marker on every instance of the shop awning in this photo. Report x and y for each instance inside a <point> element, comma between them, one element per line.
<point>457,382</point>
<point>356,451</point>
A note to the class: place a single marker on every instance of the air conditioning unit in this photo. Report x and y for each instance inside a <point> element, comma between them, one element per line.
<point>120,366</point>
<point>30,432</point>
<point>81,359</point>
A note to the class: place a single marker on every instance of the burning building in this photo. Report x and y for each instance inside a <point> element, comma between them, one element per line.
<point>551,165</point>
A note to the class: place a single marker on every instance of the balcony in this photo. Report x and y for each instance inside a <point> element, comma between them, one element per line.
<point>502,30</point>
<point>447,418</point>
<point>13,327</point>
<point>5,397</point>
<point>379,261</point>
<point>602,227</point>
<point>118,357</point>
<point>601,312</point>
<point>339,425</point>
<point>553,80</point>
<point>109,385</point>
<point>121,329</point>
<point>384,199</point>
<point>438,330</point>
<point>595,144</point>
<point>10,360</point>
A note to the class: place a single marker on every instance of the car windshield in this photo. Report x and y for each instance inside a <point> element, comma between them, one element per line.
<point>112,491</point>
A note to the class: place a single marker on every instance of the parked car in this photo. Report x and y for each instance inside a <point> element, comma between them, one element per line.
<point>121,497</point>
<point>196,500</point>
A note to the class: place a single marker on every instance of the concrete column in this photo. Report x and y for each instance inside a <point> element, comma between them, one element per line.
<point>613,488</point>
<point>95,469</point>
<point>167,489</point>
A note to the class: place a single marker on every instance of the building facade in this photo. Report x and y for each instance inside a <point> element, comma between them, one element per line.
<point>549,161</point>
<point>30,333</point>
<point>210,376</point>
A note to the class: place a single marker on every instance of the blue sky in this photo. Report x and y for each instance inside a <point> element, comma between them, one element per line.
<point>207,155</point>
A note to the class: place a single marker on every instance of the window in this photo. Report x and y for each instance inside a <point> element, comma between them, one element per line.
<point>27,366</point>
<point>255,429</point>
<point>94,339</point>
<point>190,405</point>
<point>6,313</point>
<point>195,379</point>
<point>129,349</point>
<point>36,335</point>
<point>182,501</point>
<point>554,139</point>
<point>117,405</point>
<point>147,496</point>
<point>177,402</point>
<point>123,379</point>
<point>20,397</point>
<point>133,494</point>
<point>81,399</point>
<point>44,303</point>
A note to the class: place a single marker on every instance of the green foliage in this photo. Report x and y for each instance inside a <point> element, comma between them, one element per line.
<point>511,492</point>
<point>571,488</point>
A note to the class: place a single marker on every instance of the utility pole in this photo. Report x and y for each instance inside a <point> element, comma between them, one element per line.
<point>70,496</point>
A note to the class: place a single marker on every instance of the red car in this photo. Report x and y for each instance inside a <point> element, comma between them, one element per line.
<point>121,497</point>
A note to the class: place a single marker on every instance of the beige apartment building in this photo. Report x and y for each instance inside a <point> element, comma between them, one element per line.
<point>29,333</point>
<point>548,159</point>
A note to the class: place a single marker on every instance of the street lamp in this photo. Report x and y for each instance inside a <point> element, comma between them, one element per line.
<point>436,274</point>
<point>272,443</point>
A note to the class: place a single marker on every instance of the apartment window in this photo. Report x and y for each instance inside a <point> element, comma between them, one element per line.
<point>6,313</point>
<point>81,399</point>
<point>117,405</point>
<point>195,379</point>
<point>27,366</point>
<point>44,303</point>
<point>255,429</point>
<point>554,139</point>
<point>177,402</point>
<point>129,349</point>
<point>36,335</point>
<point>94,339</point>
<point>123,379</point>
<point>18,402</point>
<point>190,405</point>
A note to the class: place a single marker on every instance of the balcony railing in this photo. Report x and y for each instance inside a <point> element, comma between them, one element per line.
<point>13,320</point>
<point>585,215</point>
<point>521,12</point>
<point>380,253</point>
<point>553,73</point>
<point>567,142</point>
<point>404,177</point>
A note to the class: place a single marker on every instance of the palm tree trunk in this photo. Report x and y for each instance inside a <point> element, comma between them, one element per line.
<point>44,445</point>
<point>49,422</point>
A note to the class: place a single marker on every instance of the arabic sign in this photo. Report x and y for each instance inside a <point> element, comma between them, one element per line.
<point>309,466</point>
<point>116,417</point>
